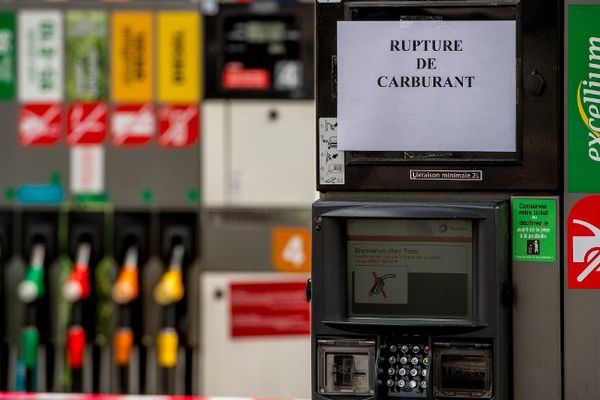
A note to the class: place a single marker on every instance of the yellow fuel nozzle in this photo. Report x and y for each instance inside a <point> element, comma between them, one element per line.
<point>166,348</point>
<point>126,288</point>
<point>170,289</point>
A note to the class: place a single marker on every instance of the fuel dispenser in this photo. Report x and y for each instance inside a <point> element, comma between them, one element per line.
<point>440,188</point>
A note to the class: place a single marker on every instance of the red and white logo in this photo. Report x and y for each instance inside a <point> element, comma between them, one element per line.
<point>133,125</point>
<point>584,244</point>
<point>236,77</point>
<point>178,125</point>
<point>39,124</point>
<point>86,123</point>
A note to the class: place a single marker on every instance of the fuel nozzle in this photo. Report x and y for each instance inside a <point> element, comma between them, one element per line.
<point>126,288</point>
<point>32,286</point>
<point>78,285</point>
<point>169,289</point>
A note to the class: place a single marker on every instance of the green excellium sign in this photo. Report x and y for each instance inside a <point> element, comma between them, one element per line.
<point>584,99</point>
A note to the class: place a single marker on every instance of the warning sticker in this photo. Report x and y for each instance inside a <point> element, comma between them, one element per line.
<point>7,56</point>
<point>534,230</point>
<point>269,309</point>
<point>331,160</point>
<point>290,249</point>
<point>178,57</point>
<point>39,124</point>
<point>87,36</point>
<point>86,123</point>
<point>583,242</point>
<point>132,55</point>
<point>40,56</point>
<point>132,125</point>
<point>178,126</point>
<point>87,169</point>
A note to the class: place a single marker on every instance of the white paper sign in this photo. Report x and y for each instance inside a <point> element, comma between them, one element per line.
<point>427,86</point>
<point>87,169</point>
<point>40,56</point>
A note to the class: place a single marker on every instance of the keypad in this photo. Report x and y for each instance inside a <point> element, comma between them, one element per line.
<point>406,366</point>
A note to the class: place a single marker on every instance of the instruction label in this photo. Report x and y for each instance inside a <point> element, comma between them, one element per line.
<point>7,56</point>
<point>331,160</point>
<point>40,52</point>
<point>534,230</point>
<point>87,36</point>
<point>179,57</point>
<point>132,57</point>
<point>87,169</point>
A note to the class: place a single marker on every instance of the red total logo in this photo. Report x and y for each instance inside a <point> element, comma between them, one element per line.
<point>178,125</point>
<point>583,234</point>
<point>39,124</point>
<point>86,123</point>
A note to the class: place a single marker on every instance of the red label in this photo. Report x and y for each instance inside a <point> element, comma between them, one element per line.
<point>269,309</point>
<point>178,126</point>
<point>39,124</point>
<point>583,235</point>
<point>237,77</point>
<point>133,125</point>
<point>86,123</point>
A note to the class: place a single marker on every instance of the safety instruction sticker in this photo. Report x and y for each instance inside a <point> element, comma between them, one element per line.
<point>583,244</point>
<point>7,56</point>
<point>87,170</point>
<point>534,230</point>
<point>331,160</point>
<point>40,53</point>
<point>178,57</point>
<point>86,123</point>
<point>86,55</point>
<point>39,124</point>
<point>178,126</point>
<point>132,57</point>
<point>133,125</point>
<point>583,96</point>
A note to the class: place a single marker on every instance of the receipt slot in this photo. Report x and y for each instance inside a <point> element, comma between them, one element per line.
<point>411,300</point>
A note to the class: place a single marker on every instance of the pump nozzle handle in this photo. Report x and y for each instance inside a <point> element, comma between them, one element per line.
<point>170,289</point>
<point>78,286</point>
<point>126,288</point>
<point>32,287</point>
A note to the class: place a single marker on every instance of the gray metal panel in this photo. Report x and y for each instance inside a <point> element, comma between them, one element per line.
<point>240,239</point>
<point>536,327</point>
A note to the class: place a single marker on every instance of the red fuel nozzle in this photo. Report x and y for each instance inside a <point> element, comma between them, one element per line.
<point>78,285</point>
<point>75,347</point>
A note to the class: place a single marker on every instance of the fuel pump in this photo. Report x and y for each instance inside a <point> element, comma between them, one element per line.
<point>76,291</point>
<point>167,293</point>
<point>31,290</point>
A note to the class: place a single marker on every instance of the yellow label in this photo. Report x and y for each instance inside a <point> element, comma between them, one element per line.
<point>132,57</point>
<point>178,57</point>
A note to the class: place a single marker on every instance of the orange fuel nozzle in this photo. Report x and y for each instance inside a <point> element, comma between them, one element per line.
<point>126,288</point>
<point>123,343</point>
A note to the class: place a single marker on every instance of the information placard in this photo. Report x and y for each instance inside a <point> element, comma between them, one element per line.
<point>427,86</point>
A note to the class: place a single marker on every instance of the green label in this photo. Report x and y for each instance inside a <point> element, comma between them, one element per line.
<point>87,36</point>
<point>583,94</point>
<point>534,230</point>
<point>7,56</point>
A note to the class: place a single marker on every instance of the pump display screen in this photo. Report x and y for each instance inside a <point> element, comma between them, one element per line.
<point>410,268</point>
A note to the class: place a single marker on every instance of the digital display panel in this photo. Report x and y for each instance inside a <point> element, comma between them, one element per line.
<point>410,268</point>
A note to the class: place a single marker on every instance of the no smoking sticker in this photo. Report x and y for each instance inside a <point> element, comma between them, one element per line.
<point>583,237</point>
<point>133,125</point>
<point>39,124</point>
<point>178,125</point>
<point>86,123</point>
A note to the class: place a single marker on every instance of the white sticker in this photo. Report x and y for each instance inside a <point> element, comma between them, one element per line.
<point>40,54</point>
<point>427,86</point>
<point>331,160</point>
<point>87,169</point>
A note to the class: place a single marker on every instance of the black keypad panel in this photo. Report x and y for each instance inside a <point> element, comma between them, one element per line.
<point>404,367</point>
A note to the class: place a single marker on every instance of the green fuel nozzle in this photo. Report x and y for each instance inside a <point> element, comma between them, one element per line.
<point>30,340</point>
<point>32,287</point>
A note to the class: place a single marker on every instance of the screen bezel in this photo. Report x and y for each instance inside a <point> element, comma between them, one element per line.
<point>331,262</point>
<point>471,276</point>
<point>448,11</point>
